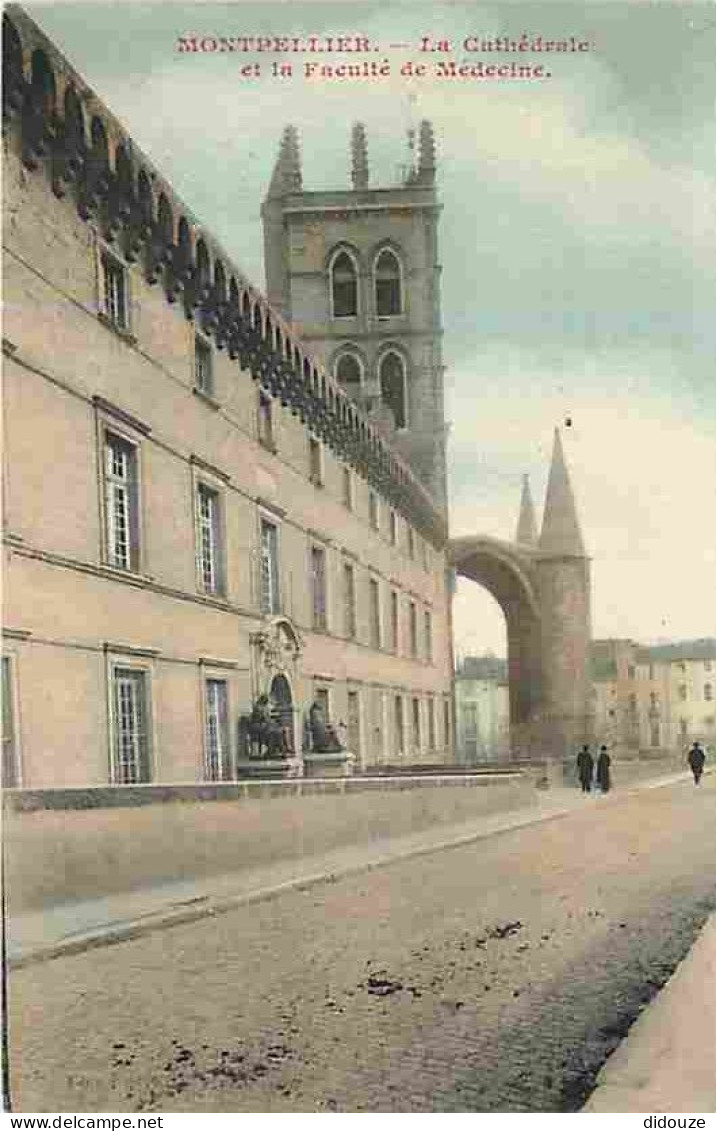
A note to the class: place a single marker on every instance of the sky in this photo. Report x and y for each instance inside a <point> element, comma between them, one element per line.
<point>577,243</point>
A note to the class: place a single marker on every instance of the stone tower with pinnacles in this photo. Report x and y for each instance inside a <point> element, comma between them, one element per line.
<point>356,272</point>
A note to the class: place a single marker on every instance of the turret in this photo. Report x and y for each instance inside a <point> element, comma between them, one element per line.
<point>560,535</point>
<point>527,524</point>
<point>286,175</point>
<point>563,586</point>
<point>359,157</point>
<point>426,154</point>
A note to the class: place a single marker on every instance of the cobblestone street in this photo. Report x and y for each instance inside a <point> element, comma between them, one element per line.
<point>495,976</point>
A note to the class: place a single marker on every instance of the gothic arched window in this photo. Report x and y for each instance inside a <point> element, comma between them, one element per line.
<point>349,372</point>
<point>344,286</point>
<point>392,386</point>
<point>388,284</point>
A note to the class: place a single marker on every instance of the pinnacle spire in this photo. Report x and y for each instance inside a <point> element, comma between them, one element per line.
<point>560,535</point>
<point>287,170</point>
<point>527,524</point>
<point>426,153</point>
<point>359,157</point>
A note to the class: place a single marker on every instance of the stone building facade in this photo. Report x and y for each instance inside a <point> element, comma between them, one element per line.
<point>482,710</point>
<point>656,699</point>
<point>196,511</point>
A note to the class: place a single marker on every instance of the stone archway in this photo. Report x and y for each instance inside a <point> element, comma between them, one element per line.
<point>504,571</point>
<point>542,585</point>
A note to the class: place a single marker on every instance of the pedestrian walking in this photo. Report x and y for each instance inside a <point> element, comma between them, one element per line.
<point>585,768</point>
<point>604,779</point>
<point>696,761</point>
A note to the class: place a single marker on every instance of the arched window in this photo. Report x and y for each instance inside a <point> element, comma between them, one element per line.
<point>344,286</point>
<point>42,85</point>
<point>392,386</point>
<point>348,372</point>
<point>12,77</point>
<point>388,288</point>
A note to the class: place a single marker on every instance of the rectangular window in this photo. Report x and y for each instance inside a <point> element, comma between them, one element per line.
<point>131,723</point>
<point>376,733</point>
<point>321,697</point>
<point>374,612</point>
<point>265,422</point>
<point>9,751</point>
<point>394,623</point>
<point>270,591</point>
<point>347,488</point>
<point>318,587</point>
<point>114,291</point>
<point>417,738</point>
<point>315,471</point>
<point>349,601</point>
<point>393,528</point>
<point>373,510</point>
<point>446,722</point>
<point>208,539</point>
<point>411,542</point>
<point>431,724</point>
<point>470,717</point>
<point>354,723</point>
<point>399,726</point>
<point>218,754</point>
<point>413,614</point>
<point>203,367</point>
<point>428,636</point>
<point>121,502</point>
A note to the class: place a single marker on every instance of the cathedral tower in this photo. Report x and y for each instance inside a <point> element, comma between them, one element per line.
<point>356,271</point>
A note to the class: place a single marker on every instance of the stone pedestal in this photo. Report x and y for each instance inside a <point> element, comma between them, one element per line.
<point>270,768</point>
<point>328,765</point>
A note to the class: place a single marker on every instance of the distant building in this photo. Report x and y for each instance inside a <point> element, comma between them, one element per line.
<point>482,710</point>
<point>654,699</point>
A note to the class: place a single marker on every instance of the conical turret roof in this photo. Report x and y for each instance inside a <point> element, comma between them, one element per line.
<point>560,535</point>
<point>527,523</point>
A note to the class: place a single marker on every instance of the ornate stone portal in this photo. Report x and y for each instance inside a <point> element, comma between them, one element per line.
<point>275,739</point>
<point>270,736</point>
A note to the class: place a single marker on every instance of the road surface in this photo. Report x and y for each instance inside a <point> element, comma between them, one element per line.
<point>495,976</point>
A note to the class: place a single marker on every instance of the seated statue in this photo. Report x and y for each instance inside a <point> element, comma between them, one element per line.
<point>265,729</point>
<point>324,739</point>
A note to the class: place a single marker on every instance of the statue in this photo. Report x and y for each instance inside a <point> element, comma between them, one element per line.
<point>265,730</point>
<point>324,739</point>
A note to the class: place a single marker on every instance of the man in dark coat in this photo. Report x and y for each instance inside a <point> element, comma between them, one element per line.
<point>696,761</point>
<point>585,768</point>
<point>603,776</point>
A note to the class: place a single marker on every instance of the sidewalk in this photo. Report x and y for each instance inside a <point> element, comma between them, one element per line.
<point>73,927</point>
<point>667,1062</point>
